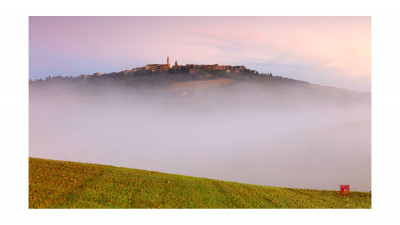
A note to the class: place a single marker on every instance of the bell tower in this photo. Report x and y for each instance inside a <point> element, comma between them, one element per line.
<point>168,62</point>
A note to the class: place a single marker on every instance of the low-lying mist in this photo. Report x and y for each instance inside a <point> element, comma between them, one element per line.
<point>281,134</point>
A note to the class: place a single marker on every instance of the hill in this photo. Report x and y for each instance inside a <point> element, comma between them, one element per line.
<point>246,90</point>
<point>62,184</point>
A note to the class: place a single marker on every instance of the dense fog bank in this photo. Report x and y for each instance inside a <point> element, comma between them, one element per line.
<point>268,133</point>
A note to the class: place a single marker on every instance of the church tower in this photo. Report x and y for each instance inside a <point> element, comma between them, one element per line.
<point>168,62</point>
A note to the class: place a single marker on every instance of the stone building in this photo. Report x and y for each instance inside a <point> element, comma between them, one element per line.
<point>164,68</point>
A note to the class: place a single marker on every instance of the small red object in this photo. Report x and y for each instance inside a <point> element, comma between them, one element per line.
<point>344,189</point>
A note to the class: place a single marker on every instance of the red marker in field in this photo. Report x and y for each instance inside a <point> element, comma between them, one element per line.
<point>344,189</point>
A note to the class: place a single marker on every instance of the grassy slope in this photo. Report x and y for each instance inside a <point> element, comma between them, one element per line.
<point>60,184</point>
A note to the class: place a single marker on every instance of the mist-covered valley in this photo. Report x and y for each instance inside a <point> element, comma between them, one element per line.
<point>268,131</point>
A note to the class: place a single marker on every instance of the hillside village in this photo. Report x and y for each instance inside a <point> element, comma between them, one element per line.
<point>176,69</point>
<point>154,69</point>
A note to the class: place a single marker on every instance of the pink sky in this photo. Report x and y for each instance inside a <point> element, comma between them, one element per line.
<point>334,51</point>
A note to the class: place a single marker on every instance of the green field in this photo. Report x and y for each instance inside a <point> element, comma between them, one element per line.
<point>61,184</point>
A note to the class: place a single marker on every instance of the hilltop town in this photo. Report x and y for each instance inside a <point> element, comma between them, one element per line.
<point>157,75</point>
<point>176,69</point>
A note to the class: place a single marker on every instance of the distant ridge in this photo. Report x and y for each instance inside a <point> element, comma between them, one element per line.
<point>165,74</point>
